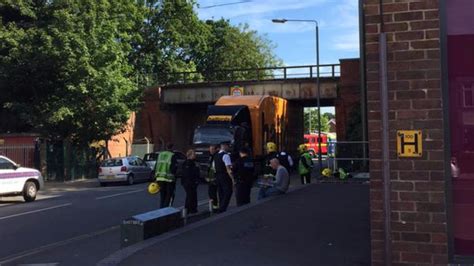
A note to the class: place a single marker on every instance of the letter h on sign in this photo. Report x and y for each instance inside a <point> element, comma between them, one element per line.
<point>409,143</point>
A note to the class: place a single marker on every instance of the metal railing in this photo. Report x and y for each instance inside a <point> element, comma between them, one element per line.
<point>349,155</point>
<point>246,74</point>
<point>21,154</point>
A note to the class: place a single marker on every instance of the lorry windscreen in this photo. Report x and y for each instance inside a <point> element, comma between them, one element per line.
<point>212,135</point>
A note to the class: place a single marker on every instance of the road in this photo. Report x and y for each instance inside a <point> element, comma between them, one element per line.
<point>74,224</point>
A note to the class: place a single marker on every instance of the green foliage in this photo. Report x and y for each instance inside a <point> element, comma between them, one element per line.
<point>64,67</point>
<point>230,47</point>
<point>311,121</point>
<point>175,40</point>
<point>71,70</point>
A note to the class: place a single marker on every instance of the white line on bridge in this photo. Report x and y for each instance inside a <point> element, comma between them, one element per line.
<point>35,211</point>
<point>119,194</point>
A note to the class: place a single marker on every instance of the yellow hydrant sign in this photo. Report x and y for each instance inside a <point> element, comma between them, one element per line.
<point>409,143</point>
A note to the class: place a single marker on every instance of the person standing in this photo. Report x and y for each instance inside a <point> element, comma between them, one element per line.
<point>272,152</point>
<point>165,174</point>
<point>244,171</point>
<point>284,158</point>
<point>305,166</point>
<point>281,183</point>
<point>224,177</point>
<point>211,177</point>
<point>190,182</point>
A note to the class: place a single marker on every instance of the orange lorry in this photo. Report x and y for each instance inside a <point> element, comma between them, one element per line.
<point>250,121</point>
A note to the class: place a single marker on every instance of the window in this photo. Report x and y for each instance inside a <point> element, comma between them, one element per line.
<point>468,95</point>
<point>6,165</point>
<point>140,162</point>
<point>133,162</point>
<point>112,163</point>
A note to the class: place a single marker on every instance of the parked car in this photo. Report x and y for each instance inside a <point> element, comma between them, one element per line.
<point>124,169</point>
<point>150,160</point>
<point>16,180</point>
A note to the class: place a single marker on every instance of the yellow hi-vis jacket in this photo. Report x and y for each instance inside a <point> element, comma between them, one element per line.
<point>163,167</point>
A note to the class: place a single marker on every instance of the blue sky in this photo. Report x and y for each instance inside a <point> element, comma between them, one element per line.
<point>338,20</point>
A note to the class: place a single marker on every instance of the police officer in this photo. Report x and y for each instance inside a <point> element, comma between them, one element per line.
<point>224,176</point>
<point>244,170</point>
<point>165,174</point>
<point>272,152</point>
<point>211,177</point>
<point>305,165</point>
<point>284,158</point>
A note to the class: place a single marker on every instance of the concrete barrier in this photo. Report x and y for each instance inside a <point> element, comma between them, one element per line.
<point>148,225</point>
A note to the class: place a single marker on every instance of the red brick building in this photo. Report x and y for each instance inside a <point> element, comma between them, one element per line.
<point>429,78</point>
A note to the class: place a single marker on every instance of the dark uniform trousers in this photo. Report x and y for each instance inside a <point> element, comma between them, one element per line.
<point>306,179</point>
<point>191,198</point>
<point>167,190</point>
<point>224,184</point>
<point>243,193</point>
<point>212,192</point>
<point>244,171</point>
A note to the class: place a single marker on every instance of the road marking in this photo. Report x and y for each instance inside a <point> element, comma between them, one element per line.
<point>119,194</point>
<point>40,264</point>
<point>34,251</point>
<point>35,211</point>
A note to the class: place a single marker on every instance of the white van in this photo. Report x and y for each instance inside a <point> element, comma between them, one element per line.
<point>16,180</point>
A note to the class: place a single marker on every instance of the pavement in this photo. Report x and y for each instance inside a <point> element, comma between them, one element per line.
<point>319,224</point>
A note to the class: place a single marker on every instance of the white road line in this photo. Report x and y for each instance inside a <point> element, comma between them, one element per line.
<point>34,251</point>
<point>40,264</point>
<point>119,194</point>
<point>35,211</point>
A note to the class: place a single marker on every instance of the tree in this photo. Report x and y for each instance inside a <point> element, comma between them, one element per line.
<point>65,66</point>
<point>329,116</point>
<point>170,35</point>
<point>234,47</point>
<point>311,121</point>
<point>72,69</point>
<point>175,40</point>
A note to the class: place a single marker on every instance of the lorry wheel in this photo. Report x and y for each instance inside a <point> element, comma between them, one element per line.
<point>29,191</point>
<point>103,184</point>
<point>130,180</point>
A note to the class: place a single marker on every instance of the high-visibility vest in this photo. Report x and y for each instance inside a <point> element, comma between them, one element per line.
<point>303,170</point>
<point>211,175</point>
<point>163,167</point>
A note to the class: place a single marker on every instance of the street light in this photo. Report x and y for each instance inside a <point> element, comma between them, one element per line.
<point>320,161</point>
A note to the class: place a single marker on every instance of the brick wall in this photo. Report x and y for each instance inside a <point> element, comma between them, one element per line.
<point>418,198</point>
<point>348,95</point>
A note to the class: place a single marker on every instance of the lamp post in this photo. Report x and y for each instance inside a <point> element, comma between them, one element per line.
<point>320,161</point>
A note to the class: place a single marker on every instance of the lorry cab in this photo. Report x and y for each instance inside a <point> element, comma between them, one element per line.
<point>224,124</point>
<point>245,121</point>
